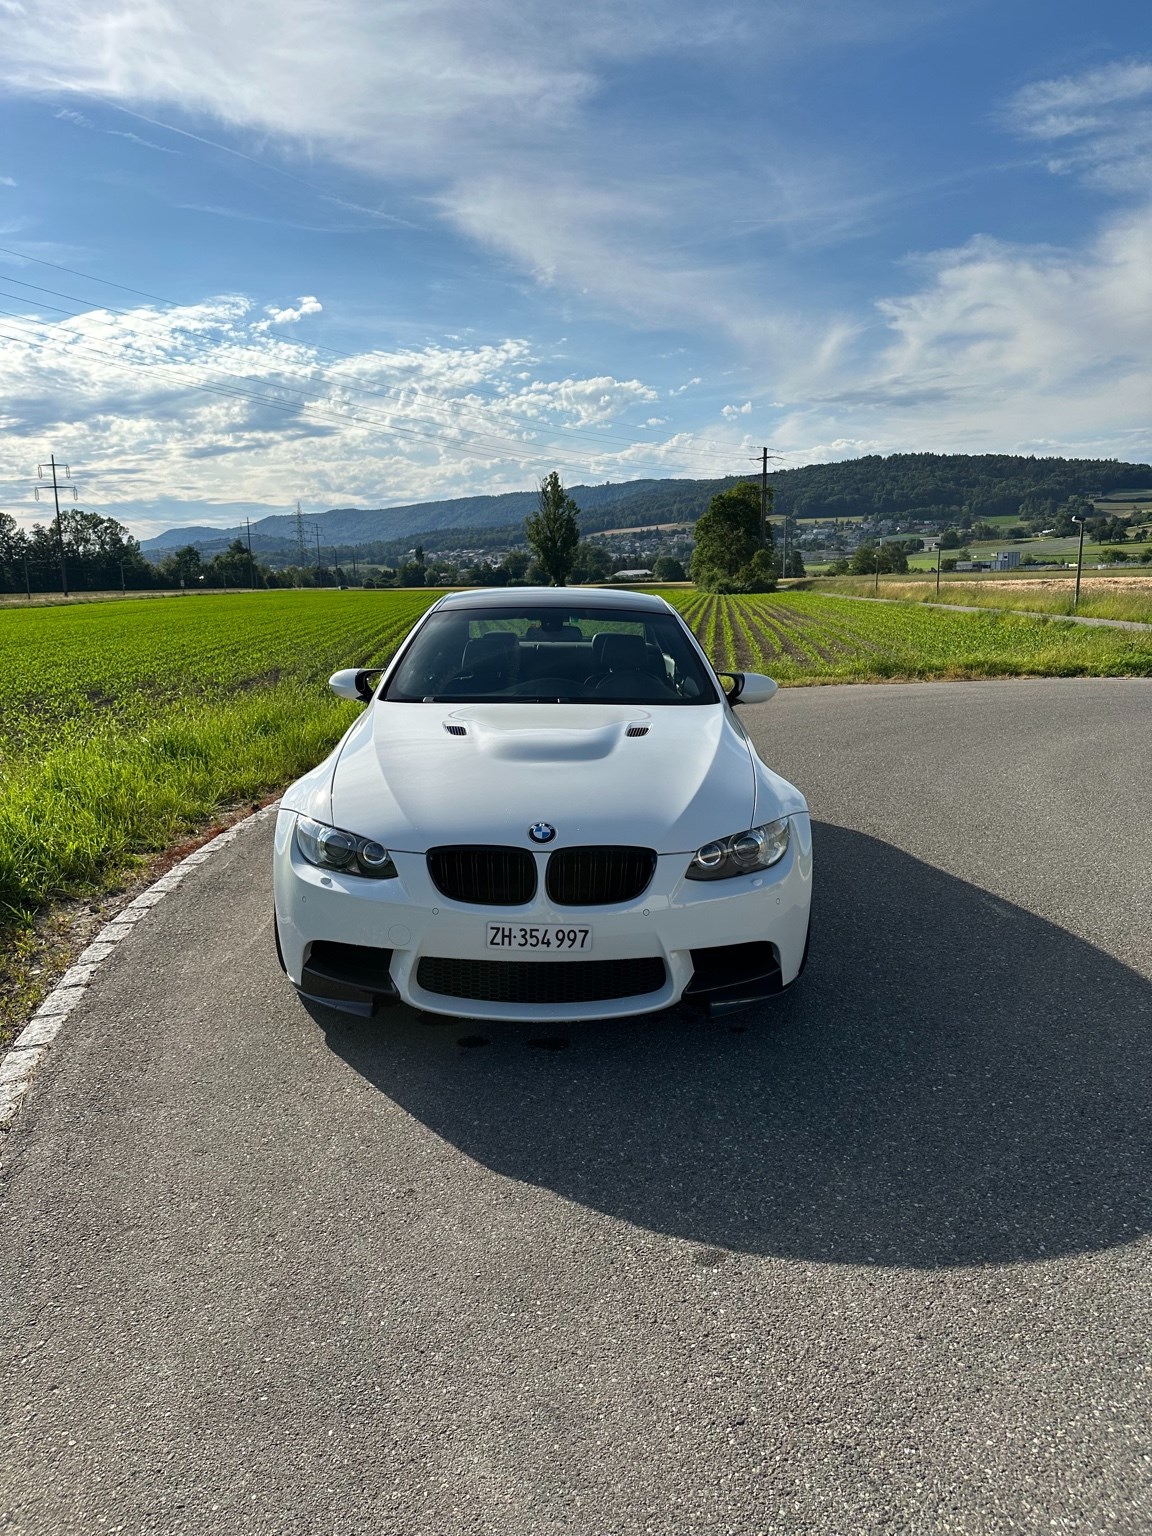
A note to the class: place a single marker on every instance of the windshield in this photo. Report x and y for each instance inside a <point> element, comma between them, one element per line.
<point>551,654</point>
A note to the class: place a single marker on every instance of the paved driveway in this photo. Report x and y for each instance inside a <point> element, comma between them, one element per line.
<point>874,1259</point>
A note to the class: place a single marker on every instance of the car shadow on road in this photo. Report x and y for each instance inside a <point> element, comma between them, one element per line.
<point>954,1081</point>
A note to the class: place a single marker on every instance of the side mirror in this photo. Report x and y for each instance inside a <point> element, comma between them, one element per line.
<point>748,687</point>
<point>354,683</point>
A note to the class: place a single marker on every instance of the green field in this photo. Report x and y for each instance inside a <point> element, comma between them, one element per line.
<point>805,637</point>
<point>1062,550</point>
<point>1121,594</point>
<point>122,725</point>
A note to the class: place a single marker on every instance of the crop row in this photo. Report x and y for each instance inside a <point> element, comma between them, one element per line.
<point>805,637</point>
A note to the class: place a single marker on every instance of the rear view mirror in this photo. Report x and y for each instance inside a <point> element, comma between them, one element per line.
<point>354,683</point>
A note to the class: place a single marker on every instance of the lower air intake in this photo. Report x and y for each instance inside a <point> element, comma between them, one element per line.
<point>540,981</point>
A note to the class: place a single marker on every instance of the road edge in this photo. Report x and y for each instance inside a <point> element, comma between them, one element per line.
<point>19,1064</point>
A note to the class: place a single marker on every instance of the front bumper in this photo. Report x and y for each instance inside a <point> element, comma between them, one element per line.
<point>357,943</point>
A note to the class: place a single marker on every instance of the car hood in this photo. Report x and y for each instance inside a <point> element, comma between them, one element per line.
<point>417,775</point>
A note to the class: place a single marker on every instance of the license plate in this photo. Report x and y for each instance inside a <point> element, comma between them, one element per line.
<point>550,939</point>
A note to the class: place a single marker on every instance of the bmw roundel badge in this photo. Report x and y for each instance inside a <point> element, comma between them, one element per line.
<point>542,832</point>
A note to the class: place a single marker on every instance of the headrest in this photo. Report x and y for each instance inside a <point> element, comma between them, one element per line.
<point>620,653</point>
<point>498,645</point>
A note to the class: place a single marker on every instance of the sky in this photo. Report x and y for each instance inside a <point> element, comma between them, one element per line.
<point>373,252</point>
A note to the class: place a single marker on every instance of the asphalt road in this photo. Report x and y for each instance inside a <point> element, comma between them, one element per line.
<point>873,1259</point>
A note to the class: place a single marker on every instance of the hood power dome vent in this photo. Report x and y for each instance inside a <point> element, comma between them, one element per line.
<point>637,730</point>
<point>456,730</point>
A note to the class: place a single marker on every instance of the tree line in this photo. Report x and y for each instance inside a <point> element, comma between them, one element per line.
<point>735,550</point>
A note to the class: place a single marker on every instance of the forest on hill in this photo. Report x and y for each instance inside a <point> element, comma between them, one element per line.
<point>925,487</point>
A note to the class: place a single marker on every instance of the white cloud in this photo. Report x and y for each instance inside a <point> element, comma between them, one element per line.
<point>1001,347</point>
<point>734,412</point>
<point>1101,121</point>
<point>307,304</point>
<point>275,419</point>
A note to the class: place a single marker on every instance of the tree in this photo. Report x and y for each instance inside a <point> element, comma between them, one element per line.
<point>231,568</point>
<point>890,558</point>
<point>668,569</point>
<point>182,568</point>
<point>553,532</point>
<point>591,562</point>
<point>13,548</point>
<point>729,556</point>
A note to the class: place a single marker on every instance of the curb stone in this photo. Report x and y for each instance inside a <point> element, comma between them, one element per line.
<point>18,1066</point>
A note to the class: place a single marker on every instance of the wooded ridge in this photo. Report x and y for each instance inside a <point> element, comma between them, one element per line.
<point>927,486</point>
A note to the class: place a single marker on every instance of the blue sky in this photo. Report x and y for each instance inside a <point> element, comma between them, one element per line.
<point>379,251</point>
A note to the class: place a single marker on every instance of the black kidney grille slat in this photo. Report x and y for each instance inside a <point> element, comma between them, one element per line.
<point>598,877</point>
<point>484,876</point>
<point>541,981</point>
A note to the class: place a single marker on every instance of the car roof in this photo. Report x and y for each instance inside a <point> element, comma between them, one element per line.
<point>557,597</point>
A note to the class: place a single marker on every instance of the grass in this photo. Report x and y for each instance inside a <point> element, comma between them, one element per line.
<point>1062,550</point>
<point>1123,596</point>
<point>123,725</point>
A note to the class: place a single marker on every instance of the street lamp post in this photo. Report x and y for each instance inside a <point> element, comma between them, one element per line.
<point>1079,564</point>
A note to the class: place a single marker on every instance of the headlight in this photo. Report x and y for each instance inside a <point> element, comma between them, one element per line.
<point>329,848</point>
<point>742,853</point>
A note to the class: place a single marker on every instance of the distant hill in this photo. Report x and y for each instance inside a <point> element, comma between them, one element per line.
<point>929,486</point>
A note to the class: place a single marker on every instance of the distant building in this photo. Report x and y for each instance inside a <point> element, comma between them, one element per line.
<point>1006,560</point>
<point>630,575</point>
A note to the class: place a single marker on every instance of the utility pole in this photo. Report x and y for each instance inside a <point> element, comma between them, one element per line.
<point>764,457</point>
<point>251,564</point>
<point>56,487</point>
<point>1079,563</point>
<point>300,536</point>
<point>316,531</point>
<point>763,497</point>
<point>939,551</point>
